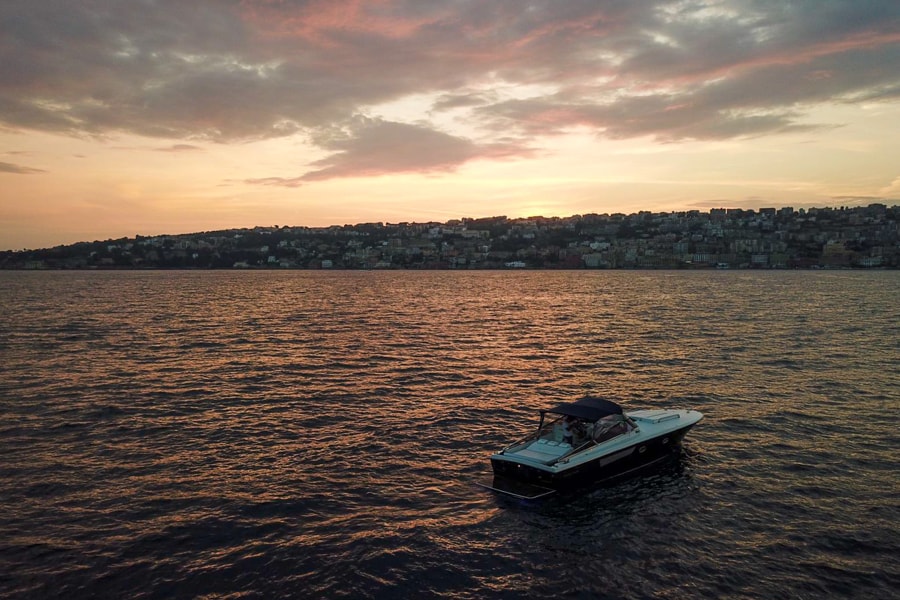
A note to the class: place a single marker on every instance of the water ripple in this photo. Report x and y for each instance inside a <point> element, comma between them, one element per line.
<point>298,434</point>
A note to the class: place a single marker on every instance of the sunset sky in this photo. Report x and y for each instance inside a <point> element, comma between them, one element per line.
<point>147,117</point>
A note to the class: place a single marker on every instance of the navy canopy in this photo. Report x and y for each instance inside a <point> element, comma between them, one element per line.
<point>588,408</point>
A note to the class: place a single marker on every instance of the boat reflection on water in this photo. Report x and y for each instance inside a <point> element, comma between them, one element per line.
<point>591,439</point>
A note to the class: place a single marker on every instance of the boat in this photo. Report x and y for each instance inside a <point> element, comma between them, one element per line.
<point>582,441</point>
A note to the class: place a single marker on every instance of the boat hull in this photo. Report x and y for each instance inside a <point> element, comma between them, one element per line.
<point>642,453</point>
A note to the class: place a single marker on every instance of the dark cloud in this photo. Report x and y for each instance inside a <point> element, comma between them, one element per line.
<point>255,69</point>
<point>377,147</point>
<point>6,167</point>
<point>371,147</point>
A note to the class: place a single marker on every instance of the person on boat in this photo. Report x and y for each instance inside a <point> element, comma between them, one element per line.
<point>568,430</point>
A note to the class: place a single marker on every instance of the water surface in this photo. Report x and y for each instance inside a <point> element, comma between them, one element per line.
<point>310,434</point>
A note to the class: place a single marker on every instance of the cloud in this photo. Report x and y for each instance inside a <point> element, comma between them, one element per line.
<point>463,100</point>
<point>276,181</point>
<point>179,148</point>
<point>257,69</point>
<point>863,200</point>
<point>366,147</point>
<point>6,167</point>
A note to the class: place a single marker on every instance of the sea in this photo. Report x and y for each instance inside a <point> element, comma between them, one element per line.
<point>300,434</point>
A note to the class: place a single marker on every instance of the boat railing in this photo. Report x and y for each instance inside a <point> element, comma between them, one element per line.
<point>547,431</point>
<point>598,440</point>
<point>522,441</point>
<point>584,446</point>
<point>531,437</point>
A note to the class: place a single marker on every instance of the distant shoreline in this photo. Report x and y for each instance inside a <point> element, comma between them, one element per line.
<point>856,238</point>
<point>435,269</point>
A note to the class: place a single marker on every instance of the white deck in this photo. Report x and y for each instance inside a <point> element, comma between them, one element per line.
<point>654,415</point>
<point>543,450</point>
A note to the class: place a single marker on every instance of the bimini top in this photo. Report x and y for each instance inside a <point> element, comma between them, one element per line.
<point>588,408</point>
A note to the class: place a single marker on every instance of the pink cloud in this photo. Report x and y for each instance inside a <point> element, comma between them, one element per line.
<point>262,69</point>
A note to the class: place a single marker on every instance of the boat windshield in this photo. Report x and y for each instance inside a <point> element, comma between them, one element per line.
<point>609,427</point>
<point>577,425</point>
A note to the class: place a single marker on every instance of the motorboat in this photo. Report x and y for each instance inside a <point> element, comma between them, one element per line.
<point>589,439</point>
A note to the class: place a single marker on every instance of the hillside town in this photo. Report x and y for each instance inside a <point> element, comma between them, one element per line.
<point>767,238</point>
